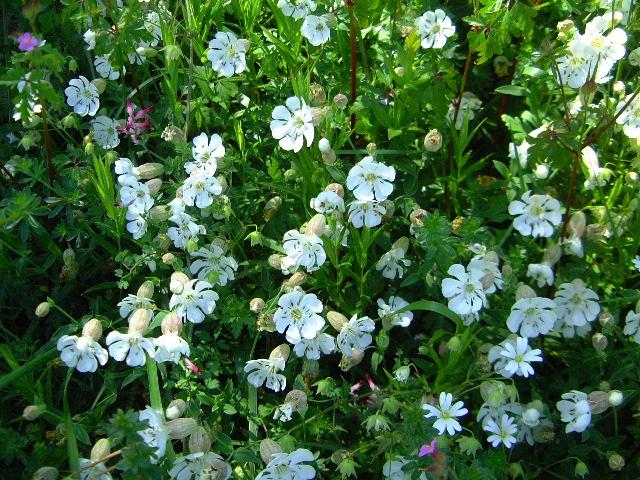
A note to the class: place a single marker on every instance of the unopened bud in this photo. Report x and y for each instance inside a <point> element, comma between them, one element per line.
<point>316,225</point>
<point>139,321</point>
<point>176,408</point>
<point>296,280</point>
<point>265,323</point>
<point>599,342</point>
<point>606,320</point>
<point>346,363</point>
<point>581,469</point>
<point>159,213</point>
<point>171,323</point>
<point>329,158</point>
<point>291,174</point>
<point>70,121</point>
<point>399,71</point>
<point>598,401</point>
<point>146,289</point>
<point>161,241</point>
<point>615,398</point>
<point>318,95</point>
<point>596,232</point>
<point>317,115</point>
<point>43,309</point>
<point>147,52</point>
<point>616,462</point>
<point>256,304</point>
<point>340,100</point>
<point>268,448</point>
<point>453,345</point>
<point>337,320</point>
<point>180,428</point>
<point>433,141</point>
<point>69,257</point>
<point>552,254</point>
<point>100,84</point>
<point>324,145</point>
<point>371,148</point>
<point>577,224</point>
<point>147,171</point>
<point>281,351</point>
<point>154,186</point>
<point>100,450</point>
<point>297,398</point>
<point>168,258</point>
<point>275,261</point>
<point>271,208</point>
<point>93,329</point>
<point>200,440</point>
<point>336,188</point>
<point>31,412</point>
<point>541,171</point>
<point>46,473</point>
<point>177,282</point>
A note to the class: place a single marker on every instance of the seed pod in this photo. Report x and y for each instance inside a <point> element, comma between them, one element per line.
<point>147,171</point>
<point>525,291</point>
<point>296,280</point>
<point>93,329</point>
<point>159,214</point>
<point>317,115</point>
<point>297,398</point>
<point>337,320</point>
<point>161,241</point>
<point>346,363</point>
<point>318,95</point>
<point>171,323</point>
<point>100,84</point>
<point>433,141</point>
<point>154,186</point>
<point>329,158</point>
<point>599,342</point>
<point>100,449</point>
<point>200,440</point>
<point>139,321</point>
<point>268,448</point>
<point>577,224</point>
<point>340,100</point>
<point>31,412</point>
<point>180,428</point>
<point>310,368</point>
<point>177,282</point>
<point>256,304</point>
<point>616,462</point>
<point>43,309</point>
<point>401,243</point>
<point>175,409</point>
<point>271,208</point>
<point>316,225</point>
<point>281,351</point>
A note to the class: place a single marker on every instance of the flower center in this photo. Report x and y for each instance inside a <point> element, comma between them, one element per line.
<point>296,314</point>
<point>370,177</point>
<point>537,210</point>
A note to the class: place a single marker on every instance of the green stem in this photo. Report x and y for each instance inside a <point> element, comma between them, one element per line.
<point>72,444</point>
<point>154,385</point>
<point>27,368</point>
<point>252,399</point>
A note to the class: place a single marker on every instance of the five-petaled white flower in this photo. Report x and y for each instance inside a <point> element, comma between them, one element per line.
<point>393,469</point>
<point>541,273</point>
<point>130,347</point>
<point>465,292</point>
<point>371,180</point>
<point>212,265</point>
<point>265,370</point>
<point>296,8</point>
<point>82,353</point>
<point>227,54</point>
<point>532,316</point>
<point>200,465</point>
<point>195,301</point>
<point>297,314</point>
<point>445,414</point>
<point>366,213</point>
<point>327,202</point>
<point>632,325</point>
<point>434,28</point>
<point>289,466</point>
<point>355,335</point>
<point>104,132</point>
<point>502,432</point>
<point>536,215</point>
<point>302,250</point>
<point>292,124</point>
<point>316,29</point>
<point>575,411</point>
<point>629,118</point>
<point>206,152</point>
<point>156,435</point>
<point>388,311</point>
<point>200,189</point>
<point>105,68</point>
<point>312,347</point>
<point>170,347</point>
<point>131,303</point>
<point>518,357</point>
<point>393,263</point>
<point>576,305</point>
<point>83,96</point>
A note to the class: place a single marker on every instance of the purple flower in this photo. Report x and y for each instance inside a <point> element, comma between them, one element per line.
<point>137,122</point>
<point>27,42</point>
<point>428,448</point>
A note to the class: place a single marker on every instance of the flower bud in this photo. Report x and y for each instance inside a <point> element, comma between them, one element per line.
<point>268,448</point>
<point>271,208</point>
<point>70,121</point>
<point>596,232</point>
<point>371,148</point>
<point>281,351</point>
<point>46,473</point>
<point>146,52</point>
<point>180,428</point>
<point>161,241</point>
<point>340,100</point>
<point>297,399</point>
<point>172,52</point>
<point>154,186</point>
<point>256,304</point>
<point>146,289</point>
<point>336,188</point>
<point>598,401</point>
<point>171,323</point>
<point>337,320</point>
<point>168,258</point>
<point>318,95</point>
<point>159,213</point>
<point>290,174</point>
<point>69,257</point>
<point>615,398</point>
<point>100,84</point>
<point>175,409</point>
<point>310,368</point>
<point>401,243</point>
<point>93,329</point>
<point>346,363</point>
<point>541,171</point>
<point>599,342</point>
<point>296,280</point>
<point>100,450</point>
<point>176,284</point>
<point>631,177</point>
<point>581,469</point>
<point>329,158</point>
<point>275,261</point>
<point>616,462</point>
<point>31,412</point>
<point>317,115</point>
<point>265,323</point>
<point>147,171</point>
<point>531,417</point>
<point>552,254</point>
<point>433,141</point>
<point>606,320</point>
<point>401,374</point>
<point>43,309</point>
<point>139,321</point>
<point>453,345</point>
<point>316,225</point>
<point>577,224</point>
<point>324,145</point>
<point>199,441</point>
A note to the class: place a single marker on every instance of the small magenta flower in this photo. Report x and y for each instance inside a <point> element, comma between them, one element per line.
<point>27,42</point>
<point>428,448</point>
<point>192,366</point>
<point>137,122</point>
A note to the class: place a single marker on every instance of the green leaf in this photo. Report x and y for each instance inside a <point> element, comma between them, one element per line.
<point>515,90</point>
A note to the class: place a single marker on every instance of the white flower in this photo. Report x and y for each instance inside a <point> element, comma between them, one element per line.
<point>302,250</point>
<point>465,292</point>
<point>574,68</point>
<point>136,223</point>
<point>138,56</point>
<point>532,316</point>
<point>104,67</point>
<point>489,269</point>
<point>327,202</point>
<point>83,96</point>
<point>371,180</point>
<point>597,176</point>
<point>195,301</point>
<point>575,411</point>
<point>355,335</point>
<point>536,215</point>
<point>469,103</point>
<point>152,25</point>
<point>541,273</point>
<point>576,305</point>
<point>90,39</point>
<point>605,50</point>
<point>387,311</point>
<point>366,213</point>
<point>393,470</point>
<point>283,412</point>
<point>156,435</point>
<point>519,152</point>
<point>296,8</point>
<point>185,230</point>
<point>629,118</point>
<point>434,28</point>
<point>289,466</point>
<point>136,194</point>
<point>297,313</point>
<point>445,414</point>
<point>393,263</point>
<point>518,358</point>
<point>130,346</point>
<point>636,262</point>
<point>227,54</point>
<point>213,265</point>
<point>131,303</point>
<point>631,326</point>
<point>199,466</point>
<point>316,29</point>
<point>312,347</point>
<point>266,370</point>
<point>292,124</point>
<point>104,132</point>
<point>199,190</point>
<point>206,153</point>
<point>124,169</point>
<point>82,353</point>
<point>170,348</point>
<point>503,432</point>
<point>96,472</point>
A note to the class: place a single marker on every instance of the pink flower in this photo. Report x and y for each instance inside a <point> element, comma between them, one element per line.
<point>192,366</point>
<point>137,123</point>
<point>27,42</point>
<point>428,448</point>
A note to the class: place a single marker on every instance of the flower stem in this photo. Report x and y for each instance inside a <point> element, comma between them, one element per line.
<point>72,444</point>
<point>352,39</point>
<point>28,367</point>
<point>154,385</point>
